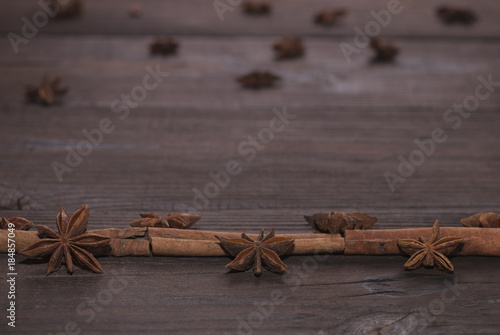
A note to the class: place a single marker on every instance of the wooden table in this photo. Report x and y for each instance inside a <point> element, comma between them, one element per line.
<point>352,121</point>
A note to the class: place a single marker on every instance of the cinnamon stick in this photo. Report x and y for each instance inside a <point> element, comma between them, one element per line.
<point>477,241</point>
<point>162,246</point>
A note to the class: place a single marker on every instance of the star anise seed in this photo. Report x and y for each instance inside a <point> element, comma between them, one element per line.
<point>452,15</point>
<point>484,220</point>
<point>288,47</point>
<point>265,251</point>
<point>384,52</point>
<point>328,17</point>
<point>19,223</point>
<point>258,80</point>
<point>170,220</point>
<point>430,252</point>
<point>164,46</point>
<point>72,243</point>
<point>256,8</point>
<point>46,92</point>
<point>339,222</point>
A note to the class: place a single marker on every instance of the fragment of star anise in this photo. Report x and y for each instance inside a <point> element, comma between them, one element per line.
<point>484,220</point>
<point>68,9</point>
<point>384,52</point>
<point>430,252</point>
<point>258,79</point>
<point>339,222</point>
<point>71,245</point>
<point>328,17</point>
<point>256,7</point>
<point>170,220</point>
<point>19,223</point>
<point>452,15</point>
<point>264,251</point>
<point>164,46</point>
<point>288,47</point>
<point>46,92</point>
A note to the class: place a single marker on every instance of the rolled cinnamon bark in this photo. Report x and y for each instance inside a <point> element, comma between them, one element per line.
<point>162,246</point>
<point>210,235</point>
<point>477,241</point>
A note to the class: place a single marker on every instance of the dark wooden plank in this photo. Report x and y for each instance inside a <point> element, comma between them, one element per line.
<point>196,17</point>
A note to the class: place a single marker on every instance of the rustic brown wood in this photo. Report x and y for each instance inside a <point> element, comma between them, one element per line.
<point>353,121</point>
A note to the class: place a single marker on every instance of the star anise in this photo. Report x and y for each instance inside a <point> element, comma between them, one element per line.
<point>451,15</point>
<point>264,251</point>
<point>256,8</point>
<point>288,47</point>
<point>46,92</point>
<point>19,223</point>
<point>72,243</point>
<point>430,252</point>
<point>258,79</point>
<point>339,222</point>
<point>328,17</point>
<point>69,9</point>
<point>485,220</point>
<point>164,46</point>
<point>170,220</point>
<point>384,52</point>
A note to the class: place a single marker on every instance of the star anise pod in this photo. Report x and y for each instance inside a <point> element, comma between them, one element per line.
<point>430,252</point>
<point>339,222</point>
<point>265,251</point>
<point>485,220</point>
<point>258,79</point>
<point>46,92</point>
<point>384,52</point>
<point>71,244</point>
<point>256,8</point>
<point>288,47</point>
<point>451,15</point>
<point>19,223</point>
<point>69,9</point>
<point>164,46</point>
<point>327,17</point>
<point>170,220</point>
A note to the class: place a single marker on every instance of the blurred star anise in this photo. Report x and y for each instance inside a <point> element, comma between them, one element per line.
<point>68,9</point>
<point>384,52</point>
<point>170,220</point>
<point>258,80</point>
<point>164,46</point>
<point>451,15</point>
<point>46,92</point>
<point>288,47</point>
<point>265,251</point>
<point>327,17</point>
<point>72,243</point>
<point>430,252</point>
<point>256,7</point>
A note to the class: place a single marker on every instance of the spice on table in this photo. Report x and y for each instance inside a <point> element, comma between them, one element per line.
<point>485,220</point>
<point>135,11</point>
<point>71,245</point>
<point>289,47</point>
<point>328,17</point>
<point>384,52</point>
<point>264,251</point>
<point>164,46</point>
<point>68,9</point>
<point>170,220</point>
<point>452,15</point>
<point>339,222</point>
<point>18,222</point>
<point>430,252</point>
<point>256,7</point>
<point>258,79</point>
<point>46,92</point>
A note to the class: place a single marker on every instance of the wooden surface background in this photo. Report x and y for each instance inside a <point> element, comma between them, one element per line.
<point>352,122</point>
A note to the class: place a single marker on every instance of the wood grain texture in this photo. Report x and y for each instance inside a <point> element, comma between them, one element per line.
<point>353,120</point>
